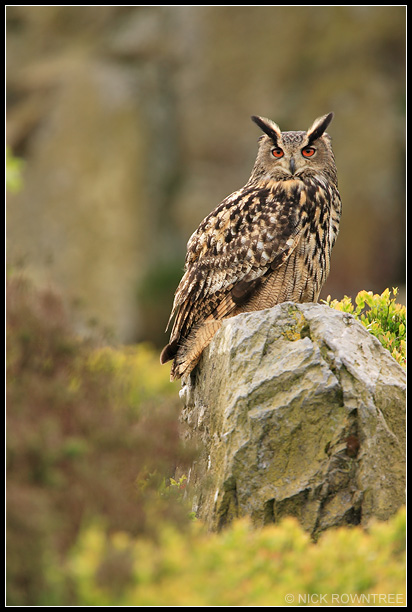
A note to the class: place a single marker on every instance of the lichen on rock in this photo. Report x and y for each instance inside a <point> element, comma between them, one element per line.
<point>300,412</point>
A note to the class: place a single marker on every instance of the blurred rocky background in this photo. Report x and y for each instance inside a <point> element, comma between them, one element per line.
<point>134,122</point>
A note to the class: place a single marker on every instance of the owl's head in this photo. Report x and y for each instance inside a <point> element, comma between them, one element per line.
<point>287,155</point>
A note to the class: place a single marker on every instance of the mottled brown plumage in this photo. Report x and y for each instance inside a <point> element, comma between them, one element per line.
<point>265,244</point>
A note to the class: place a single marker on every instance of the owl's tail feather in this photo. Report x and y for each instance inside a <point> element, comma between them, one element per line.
<point>189,352</point>
<point>169,351</point>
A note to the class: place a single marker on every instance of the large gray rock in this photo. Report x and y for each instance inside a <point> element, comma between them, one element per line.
<point>301,412</point>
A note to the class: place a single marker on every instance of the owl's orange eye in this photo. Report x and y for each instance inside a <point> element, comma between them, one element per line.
<point>277,152</point>
<point>308,151</point>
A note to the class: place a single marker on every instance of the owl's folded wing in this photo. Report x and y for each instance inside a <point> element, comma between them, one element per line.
<point>229,255</point>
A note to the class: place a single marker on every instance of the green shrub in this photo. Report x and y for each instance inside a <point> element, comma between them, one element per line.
<point>381,316</point>
<point>94,513</point>
<point>91,434</point>
<point>14,167</point>
<point>242,566</point>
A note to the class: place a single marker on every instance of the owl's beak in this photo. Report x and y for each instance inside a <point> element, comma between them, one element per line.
<point>292,165</point>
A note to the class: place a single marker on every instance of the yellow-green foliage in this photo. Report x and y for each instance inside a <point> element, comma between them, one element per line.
<point>138,370</point>
<point>14,167</point>
<point>382,316</point>
<point>94,514</point>
<point>242,566</point>
<point>92,434</point>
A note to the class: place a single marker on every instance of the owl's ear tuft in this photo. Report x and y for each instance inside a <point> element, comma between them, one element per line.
<point>318,127</point>
<point>269,127</point>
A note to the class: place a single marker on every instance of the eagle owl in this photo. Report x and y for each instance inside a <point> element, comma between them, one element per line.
<point>266,243</point>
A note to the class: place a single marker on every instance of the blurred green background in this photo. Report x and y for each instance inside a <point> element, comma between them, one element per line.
<point>134,122</point>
